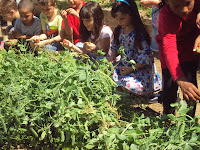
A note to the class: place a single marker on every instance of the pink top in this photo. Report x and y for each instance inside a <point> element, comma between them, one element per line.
<point>176,37</point>
<point>74,23</point>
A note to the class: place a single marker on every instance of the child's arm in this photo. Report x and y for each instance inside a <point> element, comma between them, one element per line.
<point>17,35</point>
<point>105,44</point>
<point>67,29</point>
<point>71,46</point>
<point>149,3</point>
<point>198,20</point>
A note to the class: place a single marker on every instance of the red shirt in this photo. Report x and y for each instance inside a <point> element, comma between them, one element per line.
<point>74,23</point>
<point>176,37</point>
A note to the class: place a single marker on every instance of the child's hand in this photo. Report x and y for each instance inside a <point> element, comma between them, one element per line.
<point>149,3</point>
<point>126,70</point>
<point>189,90</point>
<point>111,58</point>
<point>197,45</point>
<point>63,14</point>
<point>11,42</point>
<point>72,12</point>
<point>89,46</point>
<point>40,44</point>
<point>15,34</point>
<point>67,43</point>
<point>35,39</point>
<point>198,20</point>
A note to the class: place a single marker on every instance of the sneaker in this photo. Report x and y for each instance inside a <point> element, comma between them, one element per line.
<point>155,98</point>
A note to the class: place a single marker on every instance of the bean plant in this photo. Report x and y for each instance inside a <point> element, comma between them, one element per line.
<point>68,101</point>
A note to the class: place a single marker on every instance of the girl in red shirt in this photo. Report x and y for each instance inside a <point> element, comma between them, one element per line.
<point>176,36</point>
<point>71,21</point>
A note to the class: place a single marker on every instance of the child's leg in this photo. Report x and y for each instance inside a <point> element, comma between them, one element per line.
<point>169,92</point>
<point>190,71</point>
<point>154,45</point>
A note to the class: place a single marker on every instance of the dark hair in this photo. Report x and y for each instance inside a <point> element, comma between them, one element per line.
<point>7,5</point>
<point>46,2</point>
<point>161,4</point>
<point>26,4</point>
<point>136,21</point>
<point>91,9</point>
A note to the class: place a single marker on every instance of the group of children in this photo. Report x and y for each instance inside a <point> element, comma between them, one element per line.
<point>84,22</point>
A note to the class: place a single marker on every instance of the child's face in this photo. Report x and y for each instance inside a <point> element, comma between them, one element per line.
<point>124,20</point>
<point>89,24</point>
<point>181,7</point>
<point>48,10</point>
<point>27,16</point>
<point>75,3</point>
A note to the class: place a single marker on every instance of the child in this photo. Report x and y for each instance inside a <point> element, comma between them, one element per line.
<point>27,25</point>
<point>51,27</point>
<point>71,21</point>
<point>133,37</point>
<point>93,32</point>
<point>176,36</point>
<point>155,20</point>
<point>9,12</point>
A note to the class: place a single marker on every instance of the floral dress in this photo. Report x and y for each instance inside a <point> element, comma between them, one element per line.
<point>144,80</point>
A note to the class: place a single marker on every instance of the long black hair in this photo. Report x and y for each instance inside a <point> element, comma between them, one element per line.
<point>91,9</point>
<point>136,21</point>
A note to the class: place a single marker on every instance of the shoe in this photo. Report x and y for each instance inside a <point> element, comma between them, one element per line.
<point>155,98</point>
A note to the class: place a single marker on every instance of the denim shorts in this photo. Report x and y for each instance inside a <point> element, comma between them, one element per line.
<point>53,47</point>
<point>154,45</point>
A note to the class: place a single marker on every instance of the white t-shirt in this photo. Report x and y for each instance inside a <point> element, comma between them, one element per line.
<point>34,29</point>
<point>105,33</point>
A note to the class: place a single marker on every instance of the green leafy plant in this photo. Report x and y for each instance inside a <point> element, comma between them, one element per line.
<point>124,57</point>
<point>55,101</point>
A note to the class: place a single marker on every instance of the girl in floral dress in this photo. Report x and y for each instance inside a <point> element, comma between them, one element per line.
<point>131,36</point>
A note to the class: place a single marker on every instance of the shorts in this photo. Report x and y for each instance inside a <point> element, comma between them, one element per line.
<point>154,45</point>
<point>53,47</point>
